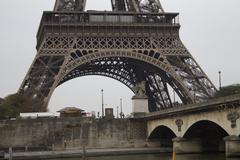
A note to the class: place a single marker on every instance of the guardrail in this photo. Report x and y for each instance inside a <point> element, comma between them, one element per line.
<point>207,105</point>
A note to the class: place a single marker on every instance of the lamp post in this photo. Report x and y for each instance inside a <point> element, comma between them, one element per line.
<point>102,104</point>
<point>220,79</point>
<point>121,113</point>
<point>117,112</point>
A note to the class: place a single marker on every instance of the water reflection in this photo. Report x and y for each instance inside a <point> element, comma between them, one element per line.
<point>158,157</point>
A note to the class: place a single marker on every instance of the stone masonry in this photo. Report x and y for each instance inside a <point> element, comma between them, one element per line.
<point>73,133</point>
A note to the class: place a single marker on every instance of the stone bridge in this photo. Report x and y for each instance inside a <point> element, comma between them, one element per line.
<point>209,126</point>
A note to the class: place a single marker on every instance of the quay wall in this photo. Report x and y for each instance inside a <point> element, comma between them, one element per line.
<point>62,133</point>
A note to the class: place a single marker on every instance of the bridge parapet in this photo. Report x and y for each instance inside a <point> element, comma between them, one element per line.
<point>212,104</point>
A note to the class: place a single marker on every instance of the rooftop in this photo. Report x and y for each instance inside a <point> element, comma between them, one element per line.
<point>70,110</point>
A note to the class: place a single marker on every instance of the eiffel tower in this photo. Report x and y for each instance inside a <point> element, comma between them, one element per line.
<point>135,42</point>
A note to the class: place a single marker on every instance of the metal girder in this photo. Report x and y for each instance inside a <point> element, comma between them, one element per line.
<point>119,5</point>
<point>151,6</point>
<point>70,5</point>
<point>40,78</point>
<point>196,80</point>
<point>116,68</point>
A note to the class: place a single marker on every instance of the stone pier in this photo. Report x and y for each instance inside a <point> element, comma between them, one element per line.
<point>187,146</point>
<point>232,146</point>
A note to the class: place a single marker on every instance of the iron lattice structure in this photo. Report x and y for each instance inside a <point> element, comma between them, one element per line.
<point>135,42</point>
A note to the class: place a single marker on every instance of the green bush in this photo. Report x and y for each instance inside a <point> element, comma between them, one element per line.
<point>228,90</point>
<point>17,103</point>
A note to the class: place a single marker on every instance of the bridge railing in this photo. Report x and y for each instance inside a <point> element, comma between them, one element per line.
<point>221,102</point>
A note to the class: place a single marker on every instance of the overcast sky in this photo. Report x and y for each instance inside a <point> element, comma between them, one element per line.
<point>210,30</point>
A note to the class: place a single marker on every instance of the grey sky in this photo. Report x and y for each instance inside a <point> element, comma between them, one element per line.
<point>210,30</point>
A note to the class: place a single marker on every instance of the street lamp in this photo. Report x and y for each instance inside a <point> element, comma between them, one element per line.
<point>117,112</point>
<point>220,79</point>
<point>121,113</point>
<point>102,104</point>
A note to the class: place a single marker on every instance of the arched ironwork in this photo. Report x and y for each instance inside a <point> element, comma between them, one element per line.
<point>129,72</point>
<point>142,45</point>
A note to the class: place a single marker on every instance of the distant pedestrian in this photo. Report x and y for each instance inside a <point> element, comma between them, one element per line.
<point>65,143</point>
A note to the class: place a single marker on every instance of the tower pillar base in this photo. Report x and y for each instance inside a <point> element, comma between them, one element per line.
<point>139,106</point>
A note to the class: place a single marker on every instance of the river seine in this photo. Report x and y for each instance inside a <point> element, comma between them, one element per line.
<point>157,157</point>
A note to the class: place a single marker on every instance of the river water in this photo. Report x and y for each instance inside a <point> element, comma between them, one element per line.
<point>158,157</point>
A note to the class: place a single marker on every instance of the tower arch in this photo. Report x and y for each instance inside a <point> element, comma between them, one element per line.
<point>128,69</point>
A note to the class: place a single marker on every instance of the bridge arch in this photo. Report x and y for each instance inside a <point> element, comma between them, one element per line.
<point>162,135</point>
<point>216,117</point>
<point>209,133</point>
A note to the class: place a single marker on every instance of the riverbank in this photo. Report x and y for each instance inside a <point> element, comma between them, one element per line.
<point>87,153</point>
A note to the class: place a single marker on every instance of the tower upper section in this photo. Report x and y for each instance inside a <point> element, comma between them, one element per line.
<point>150,6</point>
